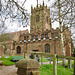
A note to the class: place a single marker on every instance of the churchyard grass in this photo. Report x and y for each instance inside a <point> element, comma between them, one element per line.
<point>6,61</point>
<point>46,59</point>
<point>72,62</point>
<point>61,70</point>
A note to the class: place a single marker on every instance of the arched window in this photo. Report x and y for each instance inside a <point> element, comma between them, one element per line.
<point>47,48</point>
<point>37,18</point>
<point>18,50</point>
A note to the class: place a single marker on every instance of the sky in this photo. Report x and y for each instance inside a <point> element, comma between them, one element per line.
<point>28,7</point>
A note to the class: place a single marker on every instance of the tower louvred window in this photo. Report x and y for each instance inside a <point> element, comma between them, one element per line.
<point>37,18</point>
<point>36,36</point>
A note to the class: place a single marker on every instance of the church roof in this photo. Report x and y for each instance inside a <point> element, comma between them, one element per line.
<point>10,36</point>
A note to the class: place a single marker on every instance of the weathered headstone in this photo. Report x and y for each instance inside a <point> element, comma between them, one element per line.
<point>7,52</point>
<point>6,57</point>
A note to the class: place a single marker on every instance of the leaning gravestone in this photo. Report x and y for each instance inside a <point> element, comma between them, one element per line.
<point>6,57</point>
<point>13,52</point>
<point>8,52</point>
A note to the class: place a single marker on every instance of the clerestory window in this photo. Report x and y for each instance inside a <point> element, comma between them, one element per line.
<point>42,36</point>
<point>46,35</point>
<point>36,37</point>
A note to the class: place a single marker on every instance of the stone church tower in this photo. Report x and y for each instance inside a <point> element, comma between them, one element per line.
<point>40,19</point>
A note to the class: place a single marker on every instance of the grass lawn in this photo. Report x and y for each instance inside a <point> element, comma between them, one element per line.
<point>48,70</point>
<point>45,59</point>
<point>6,61</point>
<point>72,62</point>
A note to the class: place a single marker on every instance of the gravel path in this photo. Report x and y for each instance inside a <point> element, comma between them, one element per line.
<point>8,70</point>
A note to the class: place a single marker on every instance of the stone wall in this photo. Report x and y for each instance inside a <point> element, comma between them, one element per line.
<point>39,46</point>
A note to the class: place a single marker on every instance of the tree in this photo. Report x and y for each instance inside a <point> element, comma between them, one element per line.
<point>66,9</point>
<point>13,11</point>
<point>62,11</point>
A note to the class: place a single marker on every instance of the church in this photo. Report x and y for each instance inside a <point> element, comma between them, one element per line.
<point>42,37</point>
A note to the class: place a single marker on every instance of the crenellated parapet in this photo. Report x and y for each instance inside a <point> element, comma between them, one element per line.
<point>39,37</point>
